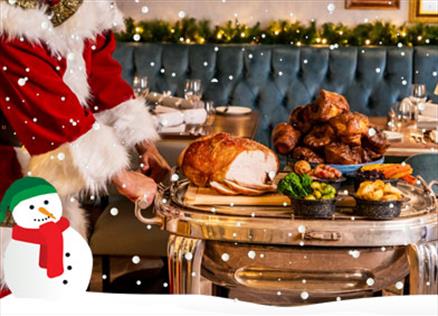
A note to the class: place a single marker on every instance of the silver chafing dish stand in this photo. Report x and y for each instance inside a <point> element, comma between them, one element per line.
<point>266,255</point>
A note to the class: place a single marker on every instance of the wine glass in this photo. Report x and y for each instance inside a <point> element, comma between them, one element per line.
<point>404,112</point>
<point>140,86</point>
<point>211,111</point>
<point>418,100</point>
<point>193,91</point>
<point>392,118</point>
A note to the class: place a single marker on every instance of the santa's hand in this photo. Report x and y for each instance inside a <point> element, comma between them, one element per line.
<point>152,163</point>
<point>135,186</point>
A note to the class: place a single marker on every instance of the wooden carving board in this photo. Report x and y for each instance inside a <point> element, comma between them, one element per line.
<point>207,196</point>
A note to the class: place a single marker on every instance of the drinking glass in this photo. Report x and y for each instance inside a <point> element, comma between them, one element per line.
<point>404,112</point>
<point>140,86</point>
<point>193,91</point>
<point>392,118</point>
<point>418,100</point>
<point>211,111</point>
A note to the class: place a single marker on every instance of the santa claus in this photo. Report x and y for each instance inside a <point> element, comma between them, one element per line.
<point>66,114</point>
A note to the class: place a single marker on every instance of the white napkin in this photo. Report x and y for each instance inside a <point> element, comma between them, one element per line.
<point>173,129</point>
<point>195,116</point>
<point>430,112</point>
<point>166,116</point>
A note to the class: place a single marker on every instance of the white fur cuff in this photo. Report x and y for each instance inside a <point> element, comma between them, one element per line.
<point>131,121</point>
<point>88,163</point>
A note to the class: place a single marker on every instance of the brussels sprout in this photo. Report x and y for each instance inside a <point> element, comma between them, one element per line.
<point>316,186</point>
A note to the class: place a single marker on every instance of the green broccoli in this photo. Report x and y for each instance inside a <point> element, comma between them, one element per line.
<point>295,186</point>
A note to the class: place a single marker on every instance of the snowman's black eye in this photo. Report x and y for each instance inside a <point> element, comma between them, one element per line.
<point>31,207</point>
<point>46,202</point>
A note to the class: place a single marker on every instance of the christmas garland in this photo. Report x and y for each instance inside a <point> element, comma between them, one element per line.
<point>192,31</point>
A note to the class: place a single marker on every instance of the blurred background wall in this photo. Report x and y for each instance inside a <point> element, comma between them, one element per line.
<point>251,11</point>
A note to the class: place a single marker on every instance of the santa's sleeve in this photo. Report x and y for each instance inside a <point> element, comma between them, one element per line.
<point>67,146</point>
<point>113,99</point>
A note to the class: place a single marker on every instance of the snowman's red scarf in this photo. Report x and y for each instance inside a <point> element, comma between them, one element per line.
<point>49,237</point>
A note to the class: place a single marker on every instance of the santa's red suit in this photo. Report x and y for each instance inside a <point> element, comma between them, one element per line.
<point>62,98</point>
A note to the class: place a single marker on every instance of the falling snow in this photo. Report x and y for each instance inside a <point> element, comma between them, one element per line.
<point>22,81</point>
<point>135,259</point>
<point>225,257</point>
<point>370,281</point>
<point>252,254</point>
<point>114,211</point>
<point>354,253</point>
<point>331,8</point>
<point>144,9</point>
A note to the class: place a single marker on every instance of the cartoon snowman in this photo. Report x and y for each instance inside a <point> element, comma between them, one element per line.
<point>46,257</point>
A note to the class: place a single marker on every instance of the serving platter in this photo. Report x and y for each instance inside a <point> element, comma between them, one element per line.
<point>274,205</point>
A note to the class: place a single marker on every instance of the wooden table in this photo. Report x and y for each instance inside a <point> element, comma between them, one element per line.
<point>407,146</point>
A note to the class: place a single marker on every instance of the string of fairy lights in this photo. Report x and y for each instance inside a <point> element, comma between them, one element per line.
<point>192,31</point>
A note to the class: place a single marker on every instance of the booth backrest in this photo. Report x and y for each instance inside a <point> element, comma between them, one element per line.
<point>276,78</point>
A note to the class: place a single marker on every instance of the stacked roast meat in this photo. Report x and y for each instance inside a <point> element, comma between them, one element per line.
<point>326,131</point>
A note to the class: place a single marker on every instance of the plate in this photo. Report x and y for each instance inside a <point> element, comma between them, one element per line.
<point>233,110</point>
<point>393,136</point>
<point>351,169</point>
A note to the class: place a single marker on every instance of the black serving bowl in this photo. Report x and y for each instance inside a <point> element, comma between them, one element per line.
<point>337,183</point>
<point>314,208</point>
<point>380,210</point>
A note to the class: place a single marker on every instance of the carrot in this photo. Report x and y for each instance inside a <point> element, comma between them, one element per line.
<point>402,174</point>
<point>389,172</point>
<point>410,179</point>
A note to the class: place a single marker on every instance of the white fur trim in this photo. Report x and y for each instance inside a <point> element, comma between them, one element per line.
<point>75,76</point>
<point>67,40</point>
<point>76,215</point>
<point>5,238</point>
<point>92,18</point>
<point>87,164</point>
<point>131,121</point>
<point>99,156</point>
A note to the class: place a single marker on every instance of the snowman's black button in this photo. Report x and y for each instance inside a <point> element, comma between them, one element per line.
<point>68,267</point>
<point>67,254</point>
<point>64,282</point>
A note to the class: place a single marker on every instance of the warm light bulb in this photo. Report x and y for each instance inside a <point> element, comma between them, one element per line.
<point>367,42</point>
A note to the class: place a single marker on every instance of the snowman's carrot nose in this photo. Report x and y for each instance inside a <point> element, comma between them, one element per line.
<point>46,212</point>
